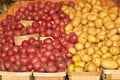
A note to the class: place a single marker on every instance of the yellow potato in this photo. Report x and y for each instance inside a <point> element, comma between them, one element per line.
<point>109,24</point>
<point>101,37</point>
<point>116,43</point>
<point>104,49</point>
<point>118,29</point>
<point>76,58</point>
<point>79,46</point>
<point>96,55</point>
<point>72,14</point>
<point>84,21</point>
<point>82,52</point>
<point>98,3</point>
<point>66,11</point>
<point>87,44</point>
<point>88,5</point>
<point>109,63</point>
<point>82,38</point>
<point>98,30</point>
<point>80,64</point>
<point>106,19</point>
<point>98,23</point>
<point>71,68</point>
<point>84,16</point>
<point>112,32</point>
<point>91,67</point>
<point>91,24</point>
<point>69,27</point>
<point>81,4</point>
<point>95,10</point>
<point>64,7</point>
<point>115,37</point>
<point>72,50</point>
<point>99,52</point>
<point>91,50</point>
<point>117,20</point>
<point>112,15</point>
<point>92,31</point>
<point>85,10</point>
<point>113,9</point>
<point>115,57</point>
<point>78,14</point>
<point>78,8</point>
<point>91,38</point>
<point>114,50</point>
<point>91,17</point>
<point>88,1</point>
<point>85,28</point>
<point>76,21</point>
<point>79,69</point>
<point>106,55</point>
<point>93,2</point>
<point>118,61</point>
<point>86,58</point>
<point>97,61</point>
<point>102,14</point>
<point>98,7</point>
<point>108,43</point>
<point>99,44</point>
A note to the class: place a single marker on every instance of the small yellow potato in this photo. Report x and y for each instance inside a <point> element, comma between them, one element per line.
<point>91,17</point>
<point>98,23</point>
<point>109,25</point>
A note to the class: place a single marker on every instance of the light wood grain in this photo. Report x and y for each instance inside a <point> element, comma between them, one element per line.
<point>111,74</point>
<point>20,39</point>
<point>15,75</point>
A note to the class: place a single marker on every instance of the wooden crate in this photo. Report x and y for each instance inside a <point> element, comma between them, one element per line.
<point>111,74</point>
<point>20,39</point>
<point>14,75</point>
<point>50,76</point>
<point>84,75</point>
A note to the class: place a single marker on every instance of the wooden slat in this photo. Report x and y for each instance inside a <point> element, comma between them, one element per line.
<point>111,74</point>
<point>14,75</point>
<point>85,78</point>
<point>57,74</point>
<point>111,71</point>
<point>20,39</point>
<point>84,73</point>
<point>49,76</point>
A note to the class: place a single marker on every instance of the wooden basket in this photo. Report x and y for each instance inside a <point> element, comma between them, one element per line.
<point>20,39</point>
<point>111,74</point>
<point>84,75</point>
<point>14,75</point>
<point>50,76</point>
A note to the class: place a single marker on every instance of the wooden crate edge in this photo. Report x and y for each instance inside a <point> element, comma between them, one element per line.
<point>84,73</point>
<point>5,73</point>
<point>111,72</point>
<point>57,74</point>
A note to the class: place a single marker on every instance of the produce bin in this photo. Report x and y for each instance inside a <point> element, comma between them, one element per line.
<point>14,75</point>
<point>84,75</point>
<point>111,74</point>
